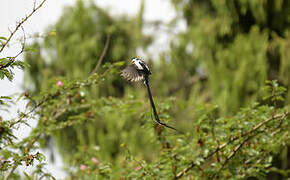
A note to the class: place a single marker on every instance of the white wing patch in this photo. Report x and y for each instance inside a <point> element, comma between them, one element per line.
<point>137,63</point>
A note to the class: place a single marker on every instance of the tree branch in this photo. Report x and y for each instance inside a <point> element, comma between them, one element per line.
<point>55,95</point>
<point>102,55</point>
<point>278,116</point>
<point>46,99</point>
<point>185,170</point>
<point>12,33</point>
<point>233,153</point>
<point>12,59</point>
<point>219,148</point>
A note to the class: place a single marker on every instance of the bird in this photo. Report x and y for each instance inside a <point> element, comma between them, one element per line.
<point>138,70</point>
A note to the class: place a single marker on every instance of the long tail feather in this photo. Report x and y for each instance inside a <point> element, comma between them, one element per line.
<point>146,81</point>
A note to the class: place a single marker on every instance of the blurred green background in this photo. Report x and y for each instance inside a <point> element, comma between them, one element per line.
<point>226,53</point>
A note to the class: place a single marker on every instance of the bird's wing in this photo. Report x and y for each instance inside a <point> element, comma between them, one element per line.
<point>145,67</point>
<point>130,73</point>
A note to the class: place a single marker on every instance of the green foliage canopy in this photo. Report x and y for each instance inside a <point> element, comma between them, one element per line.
<point>210,84</point>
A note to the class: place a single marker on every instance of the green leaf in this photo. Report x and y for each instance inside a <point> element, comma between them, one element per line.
<point>20,64</point>
<point>1,75</point>
<point>20,96</point>
<point>6,153</point>
<point>40,157</point>
<point>7,74</point>
<point>4,38</point>
<point>5,97</point>
<point>30,49</point>
<point>4,61</point>
<point>26,175</point>
<point>120,63</point>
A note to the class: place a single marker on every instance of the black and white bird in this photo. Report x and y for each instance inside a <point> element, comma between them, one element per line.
<point>139,71</point>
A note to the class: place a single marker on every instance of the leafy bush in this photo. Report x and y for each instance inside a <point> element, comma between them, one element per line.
<point>236,128</point>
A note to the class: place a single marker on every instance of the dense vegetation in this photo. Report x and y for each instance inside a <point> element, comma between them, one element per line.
<point>224,83</point>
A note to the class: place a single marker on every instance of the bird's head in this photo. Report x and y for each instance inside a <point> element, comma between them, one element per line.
<point>134,60</point>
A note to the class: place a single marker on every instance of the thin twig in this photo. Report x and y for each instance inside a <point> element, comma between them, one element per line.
<point>219,148</point>
<point>52,96</point>
<point>279,116</point>
<point>12,59</point>
<point>233,153</point>
<point>46,175</point>
<point>19,24</point>
<point>239,146</point>
<point>102,55</point>
<point>11,171</point>
<point>34,4</point>
<point>146,170</point>
<point>214,136</point>
<point>185,170</point>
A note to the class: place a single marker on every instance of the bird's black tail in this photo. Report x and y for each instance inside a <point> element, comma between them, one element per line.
<point>146,81</point>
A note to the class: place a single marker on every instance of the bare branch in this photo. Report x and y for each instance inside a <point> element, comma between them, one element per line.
<point>12,33</point>
<point>103,54</point>
<point>12,59</point>
<point>34,4</point>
